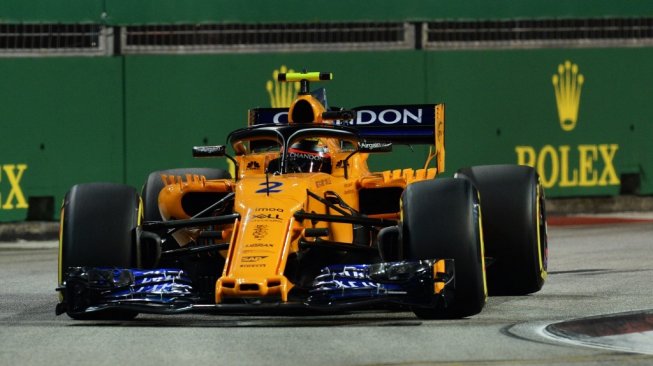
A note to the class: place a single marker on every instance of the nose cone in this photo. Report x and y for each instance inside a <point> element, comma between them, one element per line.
<point>262,239</point>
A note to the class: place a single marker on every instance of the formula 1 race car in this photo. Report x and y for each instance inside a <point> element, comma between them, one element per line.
<point>302,225</point>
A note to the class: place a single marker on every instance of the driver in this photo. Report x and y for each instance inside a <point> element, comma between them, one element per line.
<point>309,156</point>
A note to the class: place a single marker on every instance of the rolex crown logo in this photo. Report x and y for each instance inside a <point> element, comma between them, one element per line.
<point>567,84</point>
<point>281,94</point>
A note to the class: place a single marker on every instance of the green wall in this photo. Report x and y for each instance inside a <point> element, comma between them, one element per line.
<point>177,11</point>
<point>62,119</point>
<point>56,11</point>
<point>80,119</point>
<point>123,12</point>
<point>501,100</point>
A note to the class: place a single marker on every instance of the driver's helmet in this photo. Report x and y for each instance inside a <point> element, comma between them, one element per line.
<point>309,156</point>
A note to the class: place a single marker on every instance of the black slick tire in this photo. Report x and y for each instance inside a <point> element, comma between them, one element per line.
<point>514,227</point>
<point>441,220</point>
<point>98,229</point>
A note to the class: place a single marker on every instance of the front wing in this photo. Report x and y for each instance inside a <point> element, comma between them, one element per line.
<point>425,283</point>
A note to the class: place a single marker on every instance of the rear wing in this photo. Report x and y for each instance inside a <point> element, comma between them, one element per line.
<point>399,124</point>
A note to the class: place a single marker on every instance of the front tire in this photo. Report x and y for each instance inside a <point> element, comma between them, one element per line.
<point>441,220</point>
<point>98,229</point>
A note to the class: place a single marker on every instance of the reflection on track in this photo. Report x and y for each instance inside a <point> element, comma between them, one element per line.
<point>372,319</point>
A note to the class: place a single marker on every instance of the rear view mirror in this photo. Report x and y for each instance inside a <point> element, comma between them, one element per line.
<point>215,151</point>
<point>209,151</point>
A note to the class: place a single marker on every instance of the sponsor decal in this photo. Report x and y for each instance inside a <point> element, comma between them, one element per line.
<point>254,258</point>
<point>266,217</point>
<point>259,245</point>
<point>160,281</point>
<point>370,116</point>
<point>389,116</point>
<point>567,85</point>
<point>15,198</point>
<point>270,209</point>
<point>202,151</point>
<point>322,183</point>
<point>306,156</point>
<point>252,165</point>
<point>353,272</point>
<point>374,146</point>
<point>157,279</point>
<point>565,166</point>
<point>164,288</point>
<point>356,284</point>
<point>595,164</point>
<point>378,116</point>
<point>253,265</point>
<point>260,231</point>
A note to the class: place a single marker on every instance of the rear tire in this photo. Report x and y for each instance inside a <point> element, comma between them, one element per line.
<point>514,227</point>
<point>441,220</point>
<point>98,229</point>
<point>153,186</point>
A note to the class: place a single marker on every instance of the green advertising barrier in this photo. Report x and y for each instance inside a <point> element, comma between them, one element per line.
<point>55,11</point>
<point>125,12</point>
<point>581,116</point>
<point>61,123</point>
<point>128,12</point>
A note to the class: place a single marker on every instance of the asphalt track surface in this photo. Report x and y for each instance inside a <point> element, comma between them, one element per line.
<point>594,270</point>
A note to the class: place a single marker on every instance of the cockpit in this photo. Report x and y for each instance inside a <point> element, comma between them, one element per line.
<point>294,149</point>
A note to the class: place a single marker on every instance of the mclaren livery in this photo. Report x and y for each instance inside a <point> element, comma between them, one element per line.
<point>302,225</point>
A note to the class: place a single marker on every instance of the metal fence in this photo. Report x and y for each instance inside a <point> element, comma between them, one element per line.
<point>605,32</point>
<point>55,40</point>
<point>219,38</point>
<point>99,40</point>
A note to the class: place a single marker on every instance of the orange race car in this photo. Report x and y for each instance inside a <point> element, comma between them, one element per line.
<point>301,224</point>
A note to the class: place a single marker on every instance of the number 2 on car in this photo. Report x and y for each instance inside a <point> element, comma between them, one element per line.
<point>271,187</point>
